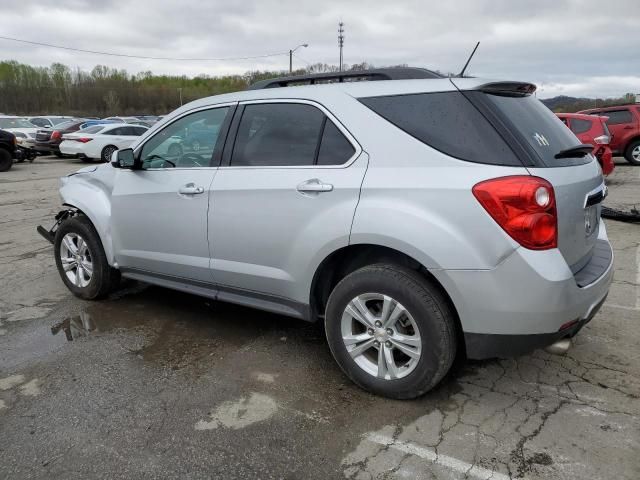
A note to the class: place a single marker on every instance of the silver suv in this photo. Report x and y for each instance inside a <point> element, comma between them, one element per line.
<point>419,219</point>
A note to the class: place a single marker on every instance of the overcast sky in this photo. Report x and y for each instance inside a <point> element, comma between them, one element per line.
<point>572,47</point>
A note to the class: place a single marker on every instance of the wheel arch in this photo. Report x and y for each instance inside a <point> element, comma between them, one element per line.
<point>632,140</point>
<point>347,259</point>
<point>99,212</point>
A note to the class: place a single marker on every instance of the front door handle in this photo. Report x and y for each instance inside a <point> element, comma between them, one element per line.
<point>314,186</point>
<point>190,189</point>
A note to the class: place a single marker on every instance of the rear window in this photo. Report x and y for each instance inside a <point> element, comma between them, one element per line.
<point>448,122</point>
<point>536,128</point>
<point>94,129</point>
<point>578,125</point>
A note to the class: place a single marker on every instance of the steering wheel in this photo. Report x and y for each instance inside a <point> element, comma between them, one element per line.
<point>192,160</point>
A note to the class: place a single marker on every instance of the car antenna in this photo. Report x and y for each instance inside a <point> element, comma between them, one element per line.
<point>461,74</point>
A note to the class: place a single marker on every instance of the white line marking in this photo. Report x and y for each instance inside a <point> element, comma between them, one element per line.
<point>622,307</point>
<point>439,459</point>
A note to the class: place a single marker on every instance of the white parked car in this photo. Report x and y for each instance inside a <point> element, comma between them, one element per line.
<point>100,141</point>
<point>48,122</point>
<point>24,131</point>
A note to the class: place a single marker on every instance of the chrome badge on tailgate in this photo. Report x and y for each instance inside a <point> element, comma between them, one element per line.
<point>592,209</point>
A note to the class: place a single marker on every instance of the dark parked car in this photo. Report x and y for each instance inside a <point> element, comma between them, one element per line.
<point>8,150</point>
<point>48,140</point>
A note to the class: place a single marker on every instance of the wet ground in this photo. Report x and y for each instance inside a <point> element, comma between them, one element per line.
<point>154,383</point>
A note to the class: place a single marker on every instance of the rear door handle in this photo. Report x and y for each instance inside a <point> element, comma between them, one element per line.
<point>314,186</point>
<point>190,189</point>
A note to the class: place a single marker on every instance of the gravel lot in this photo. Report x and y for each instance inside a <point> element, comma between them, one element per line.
<point>152,383</point>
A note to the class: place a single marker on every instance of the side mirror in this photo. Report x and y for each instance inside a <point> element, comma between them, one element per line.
<point>123,158</point>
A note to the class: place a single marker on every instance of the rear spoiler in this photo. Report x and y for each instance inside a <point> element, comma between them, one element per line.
<point>508,89</point>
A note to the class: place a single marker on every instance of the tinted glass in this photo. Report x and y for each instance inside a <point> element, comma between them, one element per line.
<point>335,149</point>
<point>94,129</point>
<point>40,122</point>
<point>115,131</point>
<point>137,131</point>
<point>277,134</point>
<point>447,122</point>
<point>187,142</point>
<point>579,125</point>
<point>537,126</point>
<point>616,117</point>
<point>57,120</point>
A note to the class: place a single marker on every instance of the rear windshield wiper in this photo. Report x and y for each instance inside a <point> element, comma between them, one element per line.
<point>575,152</point>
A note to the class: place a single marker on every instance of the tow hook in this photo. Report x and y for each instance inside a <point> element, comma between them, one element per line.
<point>50,235</point>
<point>560,347</point>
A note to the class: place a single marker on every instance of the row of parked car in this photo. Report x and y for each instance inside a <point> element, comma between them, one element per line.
<point>46,135</point>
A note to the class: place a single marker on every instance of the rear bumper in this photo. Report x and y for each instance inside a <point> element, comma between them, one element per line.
<point>522,304</point>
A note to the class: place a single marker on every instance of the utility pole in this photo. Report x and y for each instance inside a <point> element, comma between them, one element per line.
<point>341,40</point>
<point>180,92</point>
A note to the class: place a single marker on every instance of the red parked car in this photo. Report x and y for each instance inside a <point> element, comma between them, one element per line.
<point>624,125</point>
<point>593,130</point>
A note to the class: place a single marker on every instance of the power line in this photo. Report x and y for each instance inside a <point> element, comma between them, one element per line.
<point>111,54</point>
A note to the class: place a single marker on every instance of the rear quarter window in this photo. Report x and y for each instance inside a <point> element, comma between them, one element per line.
<point>448,122</point>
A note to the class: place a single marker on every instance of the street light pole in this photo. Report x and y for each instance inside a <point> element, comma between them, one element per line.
<point>305,45</point>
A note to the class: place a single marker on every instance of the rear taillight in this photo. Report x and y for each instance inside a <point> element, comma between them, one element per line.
<point>55,135</point>
<point>602,140</point>
<point>525,208</point>
<point>83,140</point>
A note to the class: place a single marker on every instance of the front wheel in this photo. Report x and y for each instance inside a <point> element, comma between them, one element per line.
<point>6,160</point>
<point>81,260</point>
<point>391,331</point>
<point>632,153</point>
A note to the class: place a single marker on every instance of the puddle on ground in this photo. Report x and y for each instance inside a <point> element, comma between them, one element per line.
<point>172,329</point>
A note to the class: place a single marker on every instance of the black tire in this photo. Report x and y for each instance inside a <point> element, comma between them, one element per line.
<point>58,154</point>
<point>427,306</point>
<point>6,160</point>
<point>104,278</point>
<point>628,153</point>
<point>106,153</point>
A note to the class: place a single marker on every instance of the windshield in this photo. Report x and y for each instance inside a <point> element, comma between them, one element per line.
<point>15,123</point>
<point>67,124</point>
<point>58,120</point>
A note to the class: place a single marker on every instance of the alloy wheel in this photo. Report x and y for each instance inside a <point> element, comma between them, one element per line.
<point>635,153</point>
<point>76,260</point>
<point>381,336</point>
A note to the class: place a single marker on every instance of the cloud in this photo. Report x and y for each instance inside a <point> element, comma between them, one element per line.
<point>564,45</point>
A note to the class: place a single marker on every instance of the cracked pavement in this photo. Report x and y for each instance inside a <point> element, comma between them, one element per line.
<point>153,383</point>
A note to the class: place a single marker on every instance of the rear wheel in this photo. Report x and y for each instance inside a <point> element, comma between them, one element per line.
<point>81,260</point>
<point>6,160</point>
<point>632,154</point>
<point>391,331</point>
<point>107,151</point>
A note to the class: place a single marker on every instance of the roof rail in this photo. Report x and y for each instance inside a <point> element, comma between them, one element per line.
<point>398,73</point>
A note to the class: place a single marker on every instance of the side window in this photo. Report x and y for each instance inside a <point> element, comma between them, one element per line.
<point>335,149</point>
<point>137,131</point>
<point>277,134</point>
<point>617,117</point>
<point>579,125</point>
<point>565,121</point>
<point>187,142</point>
<point>114,131</point>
